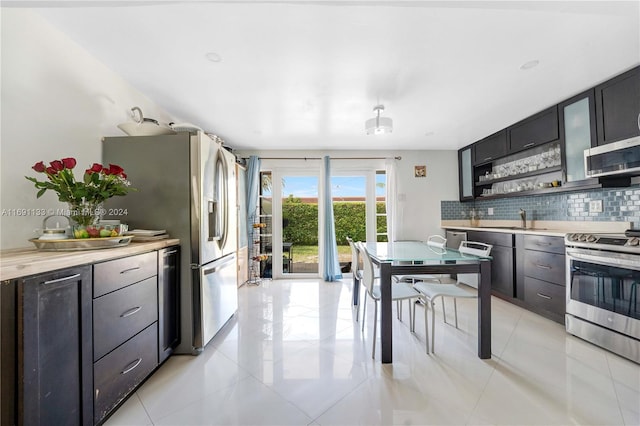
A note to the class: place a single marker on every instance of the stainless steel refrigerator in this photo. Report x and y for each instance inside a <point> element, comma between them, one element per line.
<point>185,184</point>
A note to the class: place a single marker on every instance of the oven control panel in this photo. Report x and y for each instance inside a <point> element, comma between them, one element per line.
<point>596,240</point>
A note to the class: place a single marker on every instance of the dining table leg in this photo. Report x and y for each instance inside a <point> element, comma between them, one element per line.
<point>386,316</point>
<point>484,310</point>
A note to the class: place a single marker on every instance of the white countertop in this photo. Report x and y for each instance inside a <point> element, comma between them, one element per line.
<point>549,228</point>
<point>22,262</point>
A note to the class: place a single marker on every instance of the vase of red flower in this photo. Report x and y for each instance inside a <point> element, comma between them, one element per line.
<point>86,197</point>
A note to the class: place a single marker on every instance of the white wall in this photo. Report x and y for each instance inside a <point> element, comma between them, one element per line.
<point>418,198</point>
<point>57,101</point>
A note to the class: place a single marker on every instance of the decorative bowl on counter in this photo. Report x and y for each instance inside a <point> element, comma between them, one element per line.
<point>76,244</point>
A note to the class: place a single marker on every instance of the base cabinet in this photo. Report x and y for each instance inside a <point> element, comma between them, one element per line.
<point>502,263</point>
<point>54,342</point>
<point>541,275</point>
<point>76,342</point>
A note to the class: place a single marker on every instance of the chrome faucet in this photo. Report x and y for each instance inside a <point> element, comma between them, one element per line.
<point>523,218</point>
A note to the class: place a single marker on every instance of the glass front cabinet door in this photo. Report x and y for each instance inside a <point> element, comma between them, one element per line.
<point>465,173</point>
<point>578,132</point>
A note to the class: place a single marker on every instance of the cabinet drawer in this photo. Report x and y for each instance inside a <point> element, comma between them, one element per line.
<point>544,266</point>
<point>494,238</point>
<point>536,130</point>
<point>115,274</point>
<point>544,243</point>
<point>544,295</point>
<point>118,373</point>
<point>121,314</point>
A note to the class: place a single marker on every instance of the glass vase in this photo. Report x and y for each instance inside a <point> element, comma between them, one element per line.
<point>85,213</point>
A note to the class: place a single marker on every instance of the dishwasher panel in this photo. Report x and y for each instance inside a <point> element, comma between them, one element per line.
<point>454,238</point>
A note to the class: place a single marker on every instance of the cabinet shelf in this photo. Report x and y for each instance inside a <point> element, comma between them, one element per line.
<point>520,176</point>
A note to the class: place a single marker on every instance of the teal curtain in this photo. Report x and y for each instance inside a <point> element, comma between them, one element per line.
<point>253,190</point>
<point>331,270</point>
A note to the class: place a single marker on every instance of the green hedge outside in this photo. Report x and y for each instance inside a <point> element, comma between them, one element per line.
<point>302,221</point>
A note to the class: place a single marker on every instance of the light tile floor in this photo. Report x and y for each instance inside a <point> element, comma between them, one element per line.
<point>294,355</point>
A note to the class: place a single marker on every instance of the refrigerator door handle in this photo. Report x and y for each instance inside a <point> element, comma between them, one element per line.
<point>219,266</point>
<point>214,220</point>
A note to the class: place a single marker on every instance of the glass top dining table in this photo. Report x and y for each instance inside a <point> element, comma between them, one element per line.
<point>414,257</point>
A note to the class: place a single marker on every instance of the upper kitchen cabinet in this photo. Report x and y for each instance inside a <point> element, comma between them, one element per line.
<point>490,148</point>
<point>533,131</point>
<point>577,132</point>
<point>465,173</point>
<point>618,107</point>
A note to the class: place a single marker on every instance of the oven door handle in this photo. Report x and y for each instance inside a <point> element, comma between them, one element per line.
<point>604,258</point>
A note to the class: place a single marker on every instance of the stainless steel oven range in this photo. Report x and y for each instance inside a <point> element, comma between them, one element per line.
<point>603,282</point>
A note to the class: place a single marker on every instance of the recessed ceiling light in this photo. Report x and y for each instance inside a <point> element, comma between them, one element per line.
<point>213,57</point>
<point>529,65</point>
<point>430,133</point>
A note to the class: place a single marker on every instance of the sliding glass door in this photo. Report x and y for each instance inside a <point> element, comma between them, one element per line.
<point>290,200</point>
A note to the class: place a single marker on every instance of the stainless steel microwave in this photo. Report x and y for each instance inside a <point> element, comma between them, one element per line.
<point>620,158</point>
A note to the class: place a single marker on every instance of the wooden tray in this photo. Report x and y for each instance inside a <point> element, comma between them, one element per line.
<point>75,244</point>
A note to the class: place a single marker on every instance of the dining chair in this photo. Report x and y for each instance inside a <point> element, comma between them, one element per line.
<point>356,271</point>
<point>435,242</point>
<point>430,291</point>
<point>399,292</point>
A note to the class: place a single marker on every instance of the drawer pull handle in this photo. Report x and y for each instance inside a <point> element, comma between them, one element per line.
<point>542,244</point>
<point>487,159</point>
<point>543,266</point>
<point>529,144</point>
<point>170,252</point>
<point>131,366</point>
<point>130,270</point>
<point>130,312</point>
<point>70,277</point>
<point>544,296</point>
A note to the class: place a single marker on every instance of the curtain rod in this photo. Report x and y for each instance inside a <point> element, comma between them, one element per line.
<point>331,158</point>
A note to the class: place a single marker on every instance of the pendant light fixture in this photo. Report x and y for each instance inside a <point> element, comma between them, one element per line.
<point>378,125</point>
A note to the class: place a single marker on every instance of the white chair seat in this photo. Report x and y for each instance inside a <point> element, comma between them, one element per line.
<point>399,291</point>
<point>431,291</point>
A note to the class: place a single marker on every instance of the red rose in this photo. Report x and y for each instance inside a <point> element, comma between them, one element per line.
<point>106,171</point>
<point>69,163</point>
<point>96,168</point>
<point>124,175</point>
<point>39,167</point>
<point>115,169</point>
<point>57,165</point>
<point>51,171</point>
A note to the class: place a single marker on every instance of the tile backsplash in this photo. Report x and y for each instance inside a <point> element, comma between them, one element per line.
<point>618,204</point>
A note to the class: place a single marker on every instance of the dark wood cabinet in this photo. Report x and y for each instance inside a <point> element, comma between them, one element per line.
<point>168,301</point>
<point>125,328</point>
<point>54,341</point>
<point>533,131</point>
<point>541,275</point>
<point>618,107</point>
<point>490,148</point>
<point>502,263</point>
<point>120,315</point>
<point>77,342</point>
<point>118,373</point>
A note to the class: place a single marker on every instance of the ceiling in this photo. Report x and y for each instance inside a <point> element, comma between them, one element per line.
<point>307,74</point>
